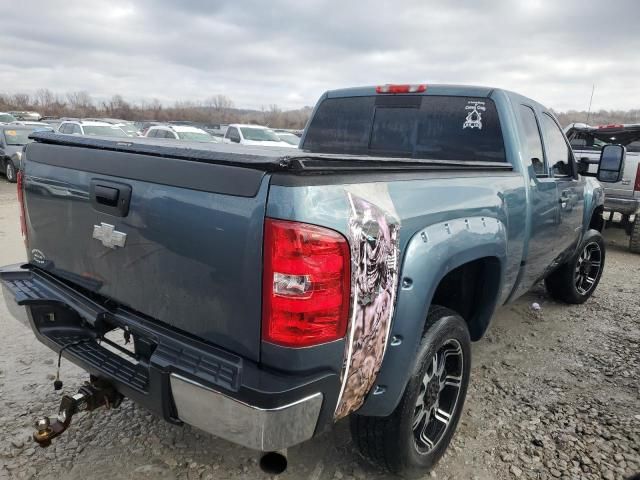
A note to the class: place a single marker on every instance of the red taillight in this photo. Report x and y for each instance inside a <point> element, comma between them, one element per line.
<point>611,125</point>
<point>388,88</point>
<point>306,284</point>
<point>636,185</point>
<point>23,218</point>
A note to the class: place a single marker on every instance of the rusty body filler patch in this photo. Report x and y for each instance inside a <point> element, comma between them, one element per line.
<point>374,228</point>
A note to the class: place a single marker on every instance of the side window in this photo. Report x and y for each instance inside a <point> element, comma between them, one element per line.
<point>534,143</point>
<point>558,152</point>
<point>233,135</point>
<point>152,133</point>
<point>64,128</point>
<point>76,129</point>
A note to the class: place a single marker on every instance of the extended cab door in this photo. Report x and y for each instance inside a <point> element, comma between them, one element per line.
<point>543,198</point>
<point>569,185</point>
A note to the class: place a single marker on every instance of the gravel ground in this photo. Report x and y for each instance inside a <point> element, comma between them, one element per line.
<point>554,394</point>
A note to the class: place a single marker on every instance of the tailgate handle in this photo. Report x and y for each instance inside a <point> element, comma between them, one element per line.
<point>110,197</point>
<point>107,195</point>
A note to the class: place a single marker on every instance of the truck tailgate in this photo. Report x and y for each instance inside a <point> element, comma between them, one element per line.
<point>187,252</point>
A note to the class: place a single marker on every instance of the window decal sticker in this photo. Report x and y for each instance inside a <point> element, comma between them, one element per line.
<point>474,117</point>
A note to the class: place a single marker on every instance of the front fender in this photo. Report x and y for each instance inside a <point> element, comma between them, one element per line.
<point>429,256</point>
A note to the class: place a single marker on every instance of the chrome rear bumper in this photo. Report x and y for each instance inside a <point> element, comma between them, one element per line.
<point>17,311</point>
<point>252,427</point>
<point>177,381</point>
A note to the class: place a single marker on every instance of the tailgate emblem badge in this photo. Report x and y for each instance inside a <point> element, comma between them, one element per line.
<point>109,236</point>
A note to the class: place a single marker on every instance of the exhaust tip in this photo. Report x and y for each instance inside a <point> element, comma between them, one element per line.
<point>273,463</point>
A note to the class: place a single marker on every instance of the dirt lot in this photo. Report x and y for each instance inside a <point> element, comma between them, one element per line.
<point>554,394</point>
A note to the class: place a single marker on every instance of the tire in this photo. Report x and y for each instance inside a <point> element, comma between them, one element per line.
<point>576,280</point>
<point>634,235</point>
<point>392,442</point>
<point>10,171</point>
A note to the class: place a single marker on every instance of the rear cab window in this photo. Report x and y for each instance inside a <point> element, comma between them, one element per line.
<point>432,127</point>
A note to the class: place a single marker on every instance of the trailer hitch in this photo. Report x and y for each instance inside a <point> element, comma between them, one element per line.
<point>90,396</point>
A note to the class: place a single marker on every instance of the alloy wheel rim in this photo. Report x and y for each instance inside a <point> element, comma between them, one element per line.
<point>439,396</point>
<point>588,268</point>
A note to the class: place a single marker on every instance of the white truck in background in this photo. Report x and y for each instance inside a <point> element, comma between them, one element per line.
<point>622,197</point>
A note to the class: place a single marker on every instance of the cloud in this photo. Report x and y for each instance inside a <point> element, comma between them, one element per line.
<point>288,52</point>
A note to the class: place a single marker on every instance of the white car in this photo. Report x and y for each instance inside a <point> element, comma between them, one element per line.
<point>290,138</point>
<point>180,132</point>
<point>93,128</point>
<point>254,135</point>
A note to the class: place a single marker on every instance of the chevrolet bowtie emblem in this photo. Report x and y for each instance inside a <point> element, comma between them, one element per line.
<point>109,236</point>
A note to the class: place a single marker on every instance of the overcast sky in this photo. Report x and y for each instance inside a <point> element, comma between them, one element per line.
<point>288,52</point>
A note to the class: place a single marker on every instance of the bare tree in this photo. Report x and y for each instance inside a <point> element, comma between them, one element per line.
<point>21,101</point>
<point>272,116</point>
<point>215,109</point>
<point>220,107</point>
<point>80,103</point>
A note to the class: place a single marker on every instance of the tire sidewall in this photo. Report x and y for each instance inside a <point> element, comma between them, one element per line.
<point>590,236</point>
<point>446,328</point>
<point>10,171</point>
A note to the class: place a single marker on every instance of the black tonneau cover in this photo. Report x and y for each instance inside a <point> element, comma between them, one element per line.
<point>257,157</point>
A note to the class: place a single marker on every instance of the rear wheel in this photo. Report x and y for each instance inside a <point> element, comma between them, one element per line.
<point>414,437</point>
<point>10,171</point>
<point>576,280</point>
<point>634,235</point>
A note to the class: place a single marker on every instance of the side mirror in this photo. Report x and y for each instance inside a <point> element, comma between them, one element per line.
<point>611,167</point>
<point>235,139</point>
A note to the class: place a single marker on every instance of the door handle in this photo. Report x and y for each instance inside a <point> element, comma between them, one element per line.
<point>564,198</point>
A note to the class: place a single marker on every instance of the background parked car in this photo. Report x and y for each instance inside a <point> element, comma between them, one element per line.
<point>6,117</point>
<point>13,138</point>
<point>622,197</point>
<point>52,122</point>
<point>180,132</point>
<point>288,137</point>
<point>253,135</point>
<point>130,128</point>
<point>94,128</point>
<point>144,126</point>
<point>22,115</point>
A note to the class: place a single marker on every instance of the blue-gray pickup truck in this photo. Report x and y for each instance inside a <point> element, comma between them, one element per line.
<point>263,294</point>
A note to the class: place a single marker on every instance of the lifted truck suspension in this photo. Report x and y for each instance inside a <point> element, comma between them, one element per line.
<point>90,396</point>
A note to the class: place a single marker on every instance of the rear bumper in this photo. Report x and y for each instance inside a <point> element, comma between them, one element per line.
<point>626,206</point>
<point>177,377</point>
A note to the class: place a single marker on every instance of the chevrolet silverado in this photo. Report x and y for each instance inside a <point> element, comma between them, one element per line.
<point>266,293</point>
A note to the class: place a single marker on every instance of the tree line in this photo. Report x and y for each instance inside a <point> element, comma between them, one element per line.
<point>218,109</point>
<point>601,117</point>
<point>212,110</point>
